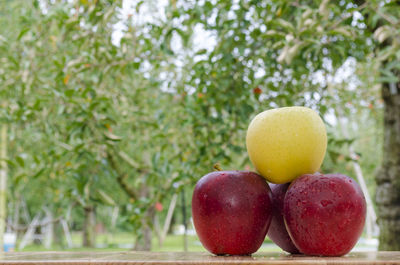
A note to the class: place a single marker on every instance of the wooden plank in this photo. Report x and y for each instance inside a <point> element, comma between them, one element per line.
<point>198,258</point>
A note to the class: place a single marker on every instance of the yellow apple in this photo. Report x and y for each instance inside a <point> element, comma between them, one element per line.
<point>285,143</point>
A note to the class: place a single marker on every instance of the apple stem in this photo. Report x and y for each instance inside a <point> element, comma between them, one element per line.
<point>217,167</point>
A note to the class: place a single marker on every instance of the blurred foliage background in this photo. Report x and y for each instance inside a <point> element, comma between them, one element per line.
<point>112,110</point>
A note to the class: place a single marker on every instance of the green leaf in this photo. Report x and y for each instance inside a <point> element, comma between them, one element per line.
<point>111,136</point>
<point>10,162</point>
<point>69,92</point>
<point>22,33</point>
<point>105,198</point>
<point>20,160</point>
<point>284,24</point>
<point>383,32</point>
<point>202,51</point>
<point>344,31</point>
<point>274,33</point>
<point>38,173</point>
<point>138,5</point>
<point>18,178</point>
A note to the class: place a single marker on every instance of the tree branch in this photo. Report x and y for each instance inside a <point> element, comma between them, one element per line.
<point>25,227</point>
<point>121,178</point>
<point>387,18</point>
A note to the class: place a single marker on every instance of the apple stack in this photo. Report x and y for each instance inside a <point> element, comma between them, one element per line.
<point>301,210</point>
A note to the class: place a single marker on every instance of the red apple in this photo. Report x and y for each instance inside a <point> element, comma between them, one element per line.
<point>232,211</point>
<point>277,230</point>
<point>324,214</point>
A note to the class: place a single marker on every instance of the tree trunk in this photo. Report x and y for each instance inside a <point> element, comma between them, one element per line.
<point>388,178</point>
<point>185,240</point>
<point>16,207</point>
<point>143,241</point>
<point>89,227</point>
<point>48,229</point>
<point>58,235</point>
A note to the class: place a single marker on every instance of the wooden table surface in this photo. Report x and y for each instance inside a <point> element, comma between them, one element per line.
<point>193,258</point>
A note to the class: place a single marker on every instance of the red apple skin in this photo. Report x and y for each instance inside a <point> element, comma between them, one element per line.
<point>277,230</point>
<point>232,211</point>
<point>324,214</point>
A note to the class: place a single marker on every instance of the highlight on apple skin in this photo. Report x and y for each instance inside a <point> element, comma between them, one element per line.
<point>232,211</point>
<point>324,214</point>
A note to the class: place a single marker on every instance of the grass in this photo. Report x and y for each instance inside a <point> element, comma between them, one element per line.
<point>124,241</point>
<point>173,243</point>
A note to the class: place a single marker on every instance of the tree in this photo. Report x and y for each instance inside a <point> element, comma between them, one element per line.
<point>384,20</point>
<point>91,114</point>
